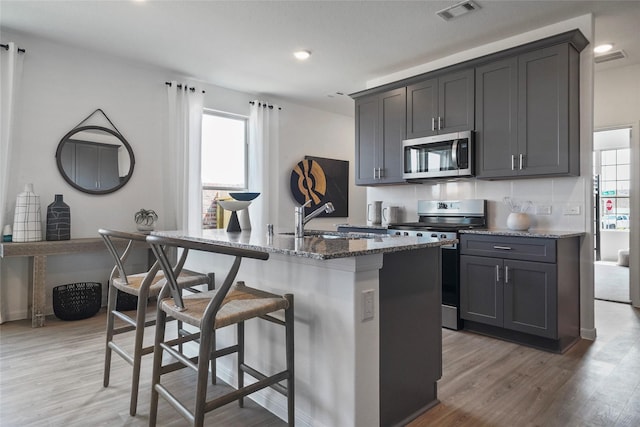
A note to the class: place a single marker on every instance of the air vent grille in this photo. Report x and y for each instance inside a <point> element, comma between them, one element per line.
<point>457,9</point>
<point>611,56</point>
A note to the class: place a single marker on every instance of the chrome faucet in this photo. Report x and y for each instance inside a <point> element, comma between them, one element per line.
<point>301,219</point>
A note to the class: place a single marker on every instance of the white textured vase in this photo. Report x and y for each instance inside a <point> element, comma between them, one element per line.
<point>27,226</point>
<point>518,221</point>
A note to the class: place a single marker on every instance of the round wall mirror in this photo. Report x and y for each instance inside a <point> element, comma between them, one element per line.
<point>95,159</point>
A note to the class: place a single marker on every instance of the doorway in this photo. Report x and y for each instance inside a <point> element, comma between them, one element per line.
<point>612,185</point>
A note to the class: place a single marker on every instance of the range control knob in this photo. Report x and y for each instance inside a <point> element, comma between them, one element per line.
<point>443,236</point>
<point>419,234</point>
<point>434,235</point>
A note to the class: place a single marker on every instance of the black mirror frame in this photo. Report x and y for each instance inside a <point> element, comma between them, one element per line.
<point>112,132</point>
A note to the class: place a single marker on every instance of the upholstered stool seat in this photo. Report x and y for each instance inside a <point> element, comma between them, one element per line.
<point>230,304</point>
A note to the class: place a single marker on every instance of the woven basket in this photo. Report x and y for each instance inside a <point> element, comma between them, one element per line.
<point>77,301</point>
<point>125,301</point>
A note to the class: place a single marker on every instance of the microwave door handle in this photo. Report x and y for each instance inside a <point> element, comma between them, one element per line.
<point>454,153</point>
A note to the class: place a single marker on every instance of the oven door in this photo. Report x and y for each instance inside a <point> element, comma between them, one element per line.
<point>451,288</point>
<point>438,156</point>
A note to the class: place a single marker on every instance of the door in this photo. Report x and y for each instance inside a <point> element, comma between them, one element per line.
<point>393,116</point>
<point>496,118</point>
<point>543,111</point>
<point>455,102</point>
<point>530,298</point>
<point>481,290</point>
<point>422,109</point>
<point>366,135</point>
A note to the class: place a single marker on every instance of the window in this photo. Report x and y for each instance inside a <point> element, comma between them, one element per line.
<point>224,160</point>
<point>614,165</point>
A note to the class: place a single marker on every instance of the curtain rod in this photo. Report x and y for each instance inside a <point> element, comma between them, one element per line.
<point>192,89</point>
<point>264,105</point>
<point>6,47</point>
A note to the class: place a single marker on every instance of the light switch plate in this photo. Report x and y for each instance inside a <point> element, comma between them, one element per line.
<point>543,210</point>
<point>368,304</point>
<point>571,210</point>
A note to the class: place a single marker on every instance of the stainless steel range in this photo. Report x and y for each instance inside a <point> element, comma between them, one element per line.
<point>442,219</point>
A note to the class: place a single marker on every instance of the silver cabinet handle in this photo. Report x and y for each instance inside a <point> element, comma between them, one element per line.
<point>433,123</point>
<point>497,273</point>
<point>506,274</point>
<point>521,161</point>
<point>380,171</point>
<point>513,162</point>
<point>439,122</point>
<point>504,248</point>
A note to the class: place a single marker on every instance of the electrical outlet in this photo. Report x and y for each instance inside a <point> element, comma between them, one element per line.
<point>368,304</point>
<point>571,210</point>
<point>543,210</point>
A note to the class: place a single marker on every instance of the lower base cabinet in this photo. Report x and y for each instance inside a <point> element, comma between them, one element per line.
<point>524,289</point>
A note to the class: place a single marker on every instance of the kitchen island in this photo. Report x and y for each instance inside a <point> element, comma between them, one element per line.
<point>368,344</point>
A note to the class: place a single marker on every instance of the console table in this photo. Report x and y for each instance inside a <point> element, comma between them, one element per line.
<point>39,252</point>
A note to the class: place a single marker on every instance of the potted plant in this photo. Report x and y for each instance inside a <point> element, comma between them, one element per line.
<point>145,219</point>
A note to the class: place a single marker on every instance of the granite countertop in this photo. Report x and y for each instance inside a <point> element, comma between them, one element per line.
<point>548,234</point>
<point>333,245</point>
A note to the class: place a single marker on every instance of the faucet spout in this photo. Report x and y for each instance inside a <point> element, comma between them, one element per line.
<point>301,219</point>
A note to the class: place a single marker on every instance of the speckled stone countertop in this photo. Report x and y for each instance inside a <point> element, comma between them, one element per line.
<point>547,234</point>
<point>332,245</point>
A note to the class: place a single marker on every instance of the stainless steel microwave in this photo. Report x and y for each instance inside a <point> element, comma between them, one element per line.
<point>439,156</point>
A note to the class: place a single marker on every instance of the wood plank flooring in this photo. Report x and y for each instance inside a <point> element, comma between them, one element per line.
<point>52,376</point>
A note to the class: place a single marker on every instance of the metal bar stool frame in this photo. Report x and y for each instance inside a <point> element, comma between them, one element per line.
<point>149,286</point>
<point>208,320</point>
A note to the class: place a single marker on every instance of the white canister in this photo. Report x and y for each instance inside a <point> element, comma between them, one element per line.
<point>518,221</point>
<point>374,213</point>
<point>391,215</point>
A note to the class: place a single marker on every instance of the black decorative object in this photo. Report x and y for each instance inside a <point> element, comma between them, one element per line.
<point>58,220</point>
<point>322,180</point>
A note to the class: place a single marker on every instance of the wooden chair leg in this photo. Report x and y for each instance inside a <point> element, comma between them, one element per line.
<point>240,360</point>
<point>161,322</point>
<point>289,338</point>
<point>204,355</point>
<point>111,305</point>
<point>141,315</point>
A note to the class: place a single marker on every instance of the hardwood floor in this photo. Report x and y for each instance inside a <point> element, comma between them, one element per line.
<point>52,376</point>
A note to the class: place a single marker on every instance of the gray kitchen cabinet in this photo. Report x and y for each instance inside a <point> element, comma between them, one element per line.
<point>523,289</point>
<point>441,105</point>
<point>527,114</point>
<point>380,129</point>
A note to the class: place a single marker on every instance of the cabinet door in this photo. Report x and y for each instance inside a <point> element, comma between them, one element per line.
<point>366,134</point>
<point>530,298</point>
<point>393,115</point>
<point>481,290</point>
<point>455,102</point>
<point>422,109</point>
<point>543,111</point>
<point>496,118</point>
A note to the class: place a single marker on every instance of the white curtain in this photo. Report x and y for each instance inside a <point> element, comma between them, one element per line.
<point>181,162</point>
<point>263,162</point>
<point>10,78</point>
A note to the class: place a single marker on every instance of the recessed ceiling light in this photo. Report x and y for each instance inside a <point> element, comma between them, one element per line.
<point>302,54</point>
<point>602,48</point>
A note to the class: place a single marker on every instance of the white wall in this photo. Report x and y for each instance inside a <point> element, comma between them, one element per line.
<point>61,85</point>
<point>556,192</point>
<point>617,103</point>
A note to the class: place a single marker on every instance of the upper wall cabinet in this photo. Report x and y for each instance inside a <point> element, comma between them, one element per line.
<point>380,129</point>
<point>441,105</point>
<point>527,114</point>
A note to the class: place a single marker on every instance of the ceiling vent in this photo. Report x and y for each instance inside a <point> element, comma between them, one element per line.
<point>457,9</point>
<point>611,56</point>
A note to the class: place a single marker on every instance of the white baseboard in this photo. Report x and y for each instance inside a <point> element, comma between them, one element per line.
<point>588,334</point>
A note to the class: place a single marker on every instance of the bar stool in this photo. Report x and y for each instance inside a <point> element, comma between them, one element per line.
<point>142,285</point>
<point>230,304</point>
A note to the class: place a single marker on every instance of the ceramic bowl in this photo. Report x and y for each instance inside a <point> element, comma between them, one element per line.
<point>244,196</point>
<point>234,205</point>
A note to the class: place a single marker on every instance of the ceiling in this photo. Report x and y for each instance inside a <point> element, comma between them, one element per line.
<point>248,45</point>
